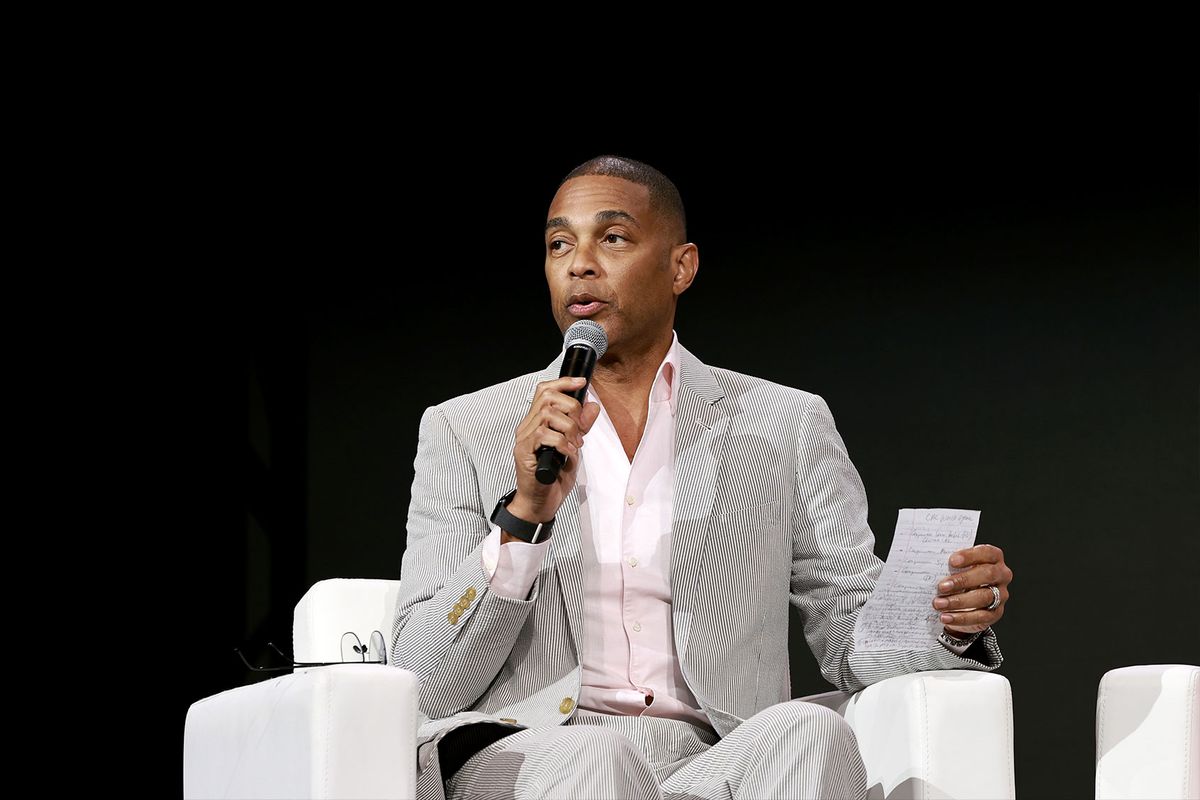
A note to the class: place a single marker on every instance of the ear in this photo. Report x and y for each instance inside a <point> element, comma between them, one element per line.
<point>685,263</point>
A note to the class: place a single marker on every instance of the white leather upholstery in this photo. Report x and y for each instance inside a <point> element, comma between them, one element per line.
<point>1148,732</point>
<point>335,732</point>
<point>323,732</point>
<point>332,607</point>
<point>938,734</point>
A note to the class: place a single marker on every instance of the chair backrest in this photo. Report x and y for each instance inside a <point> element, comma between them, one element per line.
<point>333,607</point>
<point>1148,732</point>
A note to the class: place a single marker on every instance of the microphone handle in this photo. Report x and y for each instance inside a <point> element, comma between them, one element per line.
<point>579,361</point>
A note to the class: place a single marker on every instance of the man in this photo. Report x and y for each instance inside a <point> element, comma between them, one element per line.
<point>623,631</point>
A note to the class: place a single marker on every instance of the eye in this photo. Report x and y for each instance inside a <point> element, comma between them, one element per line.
<point>554,245</point>
<point>614,236</point>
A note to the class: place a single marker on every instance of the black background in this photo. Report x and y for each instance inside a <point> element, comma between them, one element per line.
<point>997,298</point>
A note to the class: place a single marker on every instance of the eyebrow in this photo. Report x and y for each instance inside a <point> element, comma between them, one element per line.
<point>608,215</point>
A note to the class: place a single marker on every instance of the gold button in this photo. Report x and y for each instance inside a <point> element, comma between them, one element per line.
<point>471,593</point>
<point>463,601</point>
<point>566,705</point>
<point>453,617</point>
<point>460,606</point>
<point>508,719</point>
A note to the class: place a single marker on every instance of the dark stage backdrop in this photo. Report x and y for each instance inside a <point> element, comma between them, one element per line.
<point>998,301</point>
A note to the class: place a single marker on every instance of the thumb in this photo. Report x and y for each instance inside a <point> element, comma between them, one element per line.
<point>588,416</point>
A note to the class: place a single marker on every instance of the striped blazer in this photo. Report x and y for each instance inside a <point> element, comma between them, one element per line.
<point>769,510</point>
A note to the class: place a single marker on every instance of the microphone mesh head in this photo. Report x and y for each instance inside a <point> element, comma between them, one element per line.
<point>590,333</point>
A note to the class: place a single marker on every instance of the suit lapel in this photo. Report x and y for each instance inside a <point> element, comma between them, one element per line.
<point>700,427</point>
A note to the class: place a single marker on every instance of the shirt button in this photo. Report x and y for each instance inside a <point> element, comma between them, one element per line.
<point>637,626</point>
<point>566,705</point>
<point>633,561</point>
<point>630,499</point>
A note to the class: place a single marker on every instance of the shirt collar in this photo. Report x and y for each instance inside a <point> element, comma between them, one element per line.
<point>666,380</point>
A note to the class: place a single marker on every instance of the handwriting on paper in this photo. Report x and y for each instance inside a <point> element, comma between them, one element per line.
<point>900,613</point>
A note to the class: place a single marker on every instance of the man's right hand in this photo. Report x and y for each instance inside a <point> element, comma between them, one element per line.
<point>559,420</point>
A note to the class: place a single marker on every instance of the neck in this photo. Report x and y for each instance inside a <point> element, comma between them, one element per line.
<point>630,372</point>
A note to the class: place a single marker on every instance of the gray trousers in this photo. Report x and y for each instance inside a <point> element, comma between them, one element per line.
<point>789,750</point>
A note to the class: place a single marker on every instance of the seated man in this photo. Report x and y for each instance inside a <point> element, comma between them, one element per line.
<point>622,632</point>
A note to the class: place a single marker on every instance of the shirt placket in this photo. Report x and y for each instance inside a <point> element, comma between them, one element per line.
<point>634,595</point>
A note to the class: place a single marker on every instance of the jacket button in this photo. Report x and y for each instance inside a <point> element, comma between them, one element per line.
<point>508,719</point>
<point>453,617</point>
<point>471,593</point>
<point>566,705</point>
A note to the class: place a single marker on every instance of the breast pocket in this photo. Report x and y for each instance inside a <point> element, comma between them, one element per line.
<point>755,517</point>
<point>744,572</point>
<point>744,546</point>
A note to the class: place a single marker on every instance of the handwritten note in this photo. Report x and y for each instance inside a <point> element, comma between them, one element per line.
<point>900,613</point>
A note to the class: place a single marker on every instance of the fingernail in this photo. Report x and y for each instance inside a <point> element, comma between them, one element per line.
<point>941,602</point>
<point>956,561</point>
<point>947,618</point>
<point>946,585</point>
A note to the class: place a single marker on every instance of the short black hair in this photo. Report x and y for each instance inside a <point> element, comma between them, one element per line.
<point>664,197</point>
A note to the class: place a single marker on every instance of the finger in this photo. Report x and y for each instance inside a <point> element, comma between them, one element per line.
<point>549,399</point>
<point>562,383</point>
<point>972,621</point>
<point>989,574</point>
<point>558,421</point>
<point>588,416</point>
<point>965,601</point>
<point>561,387</point>
<point>567,472</point>
<point>546,436</point>
<point>551,394</point>
<point>556,400</point>
<point>979,554</point>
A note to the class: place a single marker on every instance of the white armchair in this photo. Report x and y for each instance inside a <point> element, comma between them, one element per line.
<point>1148,733</point>
<point>336,732</point>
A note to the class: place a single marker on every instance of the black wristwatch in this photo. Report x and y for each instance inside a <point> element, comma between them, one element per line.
<point>531,532</point>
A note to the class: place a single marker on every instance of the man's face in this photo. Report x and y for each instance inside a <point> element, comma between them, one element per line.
<point>603,239</point>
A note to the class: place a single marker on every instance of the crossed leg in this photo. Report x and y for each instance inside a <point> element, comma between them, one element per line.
<point>789,750</point>
<point>573,762</point>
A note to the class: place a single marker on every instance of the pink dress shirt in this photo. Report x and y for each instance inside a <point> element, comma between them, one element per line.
<point>629,662</point>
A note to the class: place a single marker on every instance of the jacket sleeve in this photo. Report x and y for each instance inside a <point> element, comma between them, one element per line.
<point>512,567</point>
<point>449,628</point>
<point>834,567</point>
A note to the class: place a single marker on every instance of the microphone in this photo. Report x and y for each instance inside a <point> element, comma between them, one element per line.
<point>585,343</point>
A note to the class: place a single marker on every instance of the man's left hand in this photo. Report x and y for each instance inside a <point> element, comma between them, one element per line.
<point>964,597</point>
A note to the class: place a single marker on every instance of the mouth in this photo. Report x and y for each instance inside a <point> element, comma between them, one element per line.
<point>584,305</point>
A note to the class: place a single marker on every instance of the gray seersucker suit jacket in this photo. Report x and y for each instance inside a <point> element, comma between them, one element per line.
<point>769,510</point>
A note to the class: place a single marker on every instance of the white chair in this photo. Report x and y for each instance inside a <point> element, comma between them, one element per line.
<point>1148,733</point>
<point>335,732</point>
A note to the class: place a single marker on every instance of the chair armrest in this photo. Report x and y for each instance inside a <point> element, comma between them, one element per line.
<point>934,734</point>
<point>334,606</point>
<point>1148,732</point>
<point>323,732</point>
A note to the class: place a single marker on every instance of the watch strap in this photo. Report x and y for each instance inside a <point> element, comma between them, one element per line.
<point>531,532</point>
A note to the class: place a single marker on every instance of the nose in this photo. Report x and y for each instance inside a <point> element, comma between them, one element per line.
<point>583,263</point>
